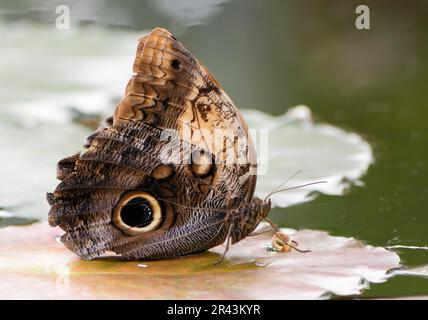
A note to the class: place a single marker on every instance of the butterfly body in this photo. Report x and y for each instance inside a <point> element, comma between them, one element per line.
<point>155,181</point>
<point>244,219</point>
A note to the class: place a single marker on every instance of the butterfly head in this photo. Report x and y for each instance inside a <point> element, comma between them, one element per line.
<point>265,207</point>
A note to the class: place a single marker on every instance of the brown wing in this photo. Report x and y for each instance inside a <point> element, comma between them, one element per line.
<point>170,102</point>
<point>172,90</point>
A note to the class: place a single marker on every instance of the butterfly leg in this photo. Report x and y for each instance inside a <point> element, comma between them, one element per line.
<point>265,230</point>
<point>228,236</point>
<point>254,234</point>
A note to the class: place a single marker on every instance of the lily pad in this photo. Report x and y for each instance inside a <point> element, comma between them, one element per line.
<point>33,265</point>
<point>421,271</point>
<point>68,72</point>
<point>28,170</point>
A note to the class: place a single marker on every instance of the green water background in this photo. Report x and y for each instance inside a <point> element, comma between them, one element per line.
<point>272,55</point>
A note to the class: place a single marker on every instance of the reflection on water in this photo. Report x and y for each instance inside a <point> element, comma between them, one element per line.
<point>267,57</point>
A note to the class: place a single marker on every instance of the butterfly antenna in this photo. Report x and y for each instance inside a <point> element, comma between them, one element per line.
<point>296,187</point>
<point>282,184</point>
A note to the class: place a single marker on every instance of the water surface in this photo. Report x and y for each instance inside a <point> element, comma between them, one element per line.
<point>269,58</point>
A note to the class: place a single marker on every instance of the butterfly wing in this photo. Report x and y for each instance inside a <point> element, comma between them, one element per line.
<point>176,150</point>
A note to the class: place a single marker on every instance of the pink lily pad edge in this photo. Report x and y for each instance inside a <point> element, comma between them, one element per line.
<point>35,265</point>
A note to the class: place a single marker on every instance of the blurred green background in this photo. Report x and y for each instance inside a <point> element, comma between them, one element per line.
<point>277,54</point>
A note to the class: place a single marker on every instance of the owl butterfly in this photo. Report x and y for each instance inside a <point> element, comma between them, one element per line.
<point>152,182</point>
